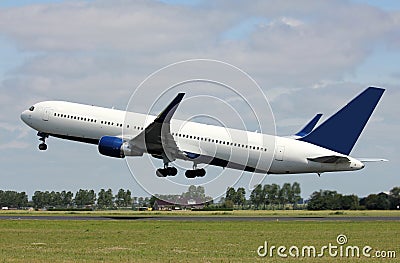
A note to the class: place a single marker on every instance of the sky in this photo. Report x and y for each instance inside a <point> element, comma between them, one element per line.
<point>307,57</point>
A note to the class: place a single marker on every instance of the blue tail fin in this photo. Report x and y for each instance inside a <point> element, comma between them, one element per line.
<point>341,131</point>
<point>309,126</point>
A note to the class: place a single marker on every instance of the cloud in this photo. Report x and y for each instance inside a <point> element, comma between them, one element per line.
<point>14,145</point>
<point>291,45</point>
<point>102,25</point>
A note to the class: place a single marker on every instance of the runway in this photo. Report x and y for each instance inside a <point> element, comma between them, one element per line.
<point>197,218</point>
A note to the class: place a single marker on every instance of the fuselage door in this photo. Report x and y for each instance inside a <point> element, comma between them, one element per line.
<point>280,150</point>
<point>47,112</point>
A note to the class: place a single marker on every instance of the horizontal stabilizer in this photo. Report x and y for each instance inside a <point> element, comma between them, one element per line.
<point>309,126</point>
<point>371,160</point>
<point>330,159</point>
<point>340,132</point>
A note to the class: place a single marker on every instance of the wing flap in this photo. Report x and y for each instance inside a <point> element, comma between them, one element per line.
<point>330,159</point>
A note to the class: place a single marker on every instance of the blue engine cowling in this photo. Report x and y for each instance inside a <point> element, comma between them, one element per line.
<point>111,146</point>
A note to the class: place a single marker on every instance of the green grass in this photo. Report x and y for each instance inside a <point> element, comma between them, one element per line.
<point>181,241</point>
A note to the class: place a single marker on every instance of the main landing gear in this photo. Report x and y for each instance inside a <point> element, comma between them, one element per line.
<point>43,145</point>
<point>195,172</point>
<point>172,171</point>
<point>166,171</point>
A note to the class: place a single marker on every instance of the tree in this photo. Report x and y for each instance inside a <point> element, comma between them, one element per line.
<point>67,198</point>
<point>54,199</point>
<point>273,194</point>
<point>141,202</point>
<point>377,202</point>
<point>195,193</point>
<point>240,197</point>
<point>349,202</point>
<point>228,204</point>
<point>394,198</point>
<point>296,191</point>
<point>147,201</point>
<point>256,196</point>
<point>286,194</point>
<point>395,191</point>
<point>85,198</point>
<point>230,194</point>
<point>38,200</point>
<point>123,199</point>
<point>13,199</point>
<point>325,200</point>
<point>105,199</point>
<point>152,200</point>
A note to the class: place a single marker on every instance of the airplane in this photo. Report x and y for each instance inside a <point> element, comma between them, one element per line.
<point>120,134</point>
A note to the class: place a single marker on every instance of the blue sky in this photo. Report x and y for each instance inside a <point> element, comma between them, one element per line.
<point>306,58</point>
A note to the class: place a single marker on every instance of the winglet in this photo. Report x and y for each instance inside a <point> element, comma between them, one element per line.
<point>340,132</point>
<point>309,126</point>
<point>166,115</point>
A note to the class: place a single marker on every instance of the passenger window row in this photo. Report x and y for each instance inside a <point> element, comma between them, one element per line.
<point>173,134</point>
<point>220,142</point>
<point>72,117</point>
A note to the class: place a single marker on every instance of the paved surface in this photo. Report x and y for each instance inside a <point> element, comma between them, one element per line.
<point>198,218</point>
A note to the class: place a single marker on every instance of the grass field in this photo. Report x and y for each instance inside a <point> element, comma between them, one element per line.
<point>184,241</point>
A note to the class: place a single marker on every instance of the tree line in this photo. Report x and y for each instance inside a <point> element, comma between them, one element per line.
<point>273,196</point>
<point>332,200</point>
<point>104,199</point>
<point>268,196</point>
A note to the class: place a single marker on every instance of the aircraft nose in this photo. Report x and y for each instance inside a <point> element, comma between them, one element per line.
<point>25,116</point>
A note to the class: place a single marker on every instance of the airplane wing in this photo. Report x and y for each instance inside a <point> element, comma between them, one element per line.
<point>156,138</point>
<point>330,159</point>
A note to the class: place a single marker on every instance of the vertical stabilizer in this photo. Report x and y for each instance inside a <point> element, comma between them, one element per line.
<point>341,131</point>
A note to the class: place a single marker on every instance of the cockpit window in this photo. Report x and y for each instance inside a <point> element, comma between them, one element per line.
<point>32,108</point>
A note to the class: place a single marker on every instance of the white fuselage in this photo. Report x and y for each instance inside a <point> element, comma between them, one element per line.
<point>242,149</point>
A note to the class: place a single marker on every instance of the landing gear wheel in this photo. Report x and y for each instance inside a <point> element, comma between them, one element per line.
<point>190,174</point>
<point>172,171</point>
<point>161,172</point>
<point>167,171</point>
<point>195,173</point>
<point>201,172</point>
<point>43,147</point>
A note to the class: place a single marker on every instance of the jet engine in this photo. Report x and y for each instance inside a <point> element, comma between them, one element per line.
<point>111,146</point>
<point>117,147</point>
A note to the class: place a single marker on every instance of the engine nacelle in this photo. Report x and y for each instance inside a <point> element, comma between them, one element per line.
<point>111,146</point>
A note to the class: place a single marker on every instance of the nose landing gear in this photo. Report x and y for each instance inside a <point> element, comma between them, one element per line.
<point>43,145</point>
